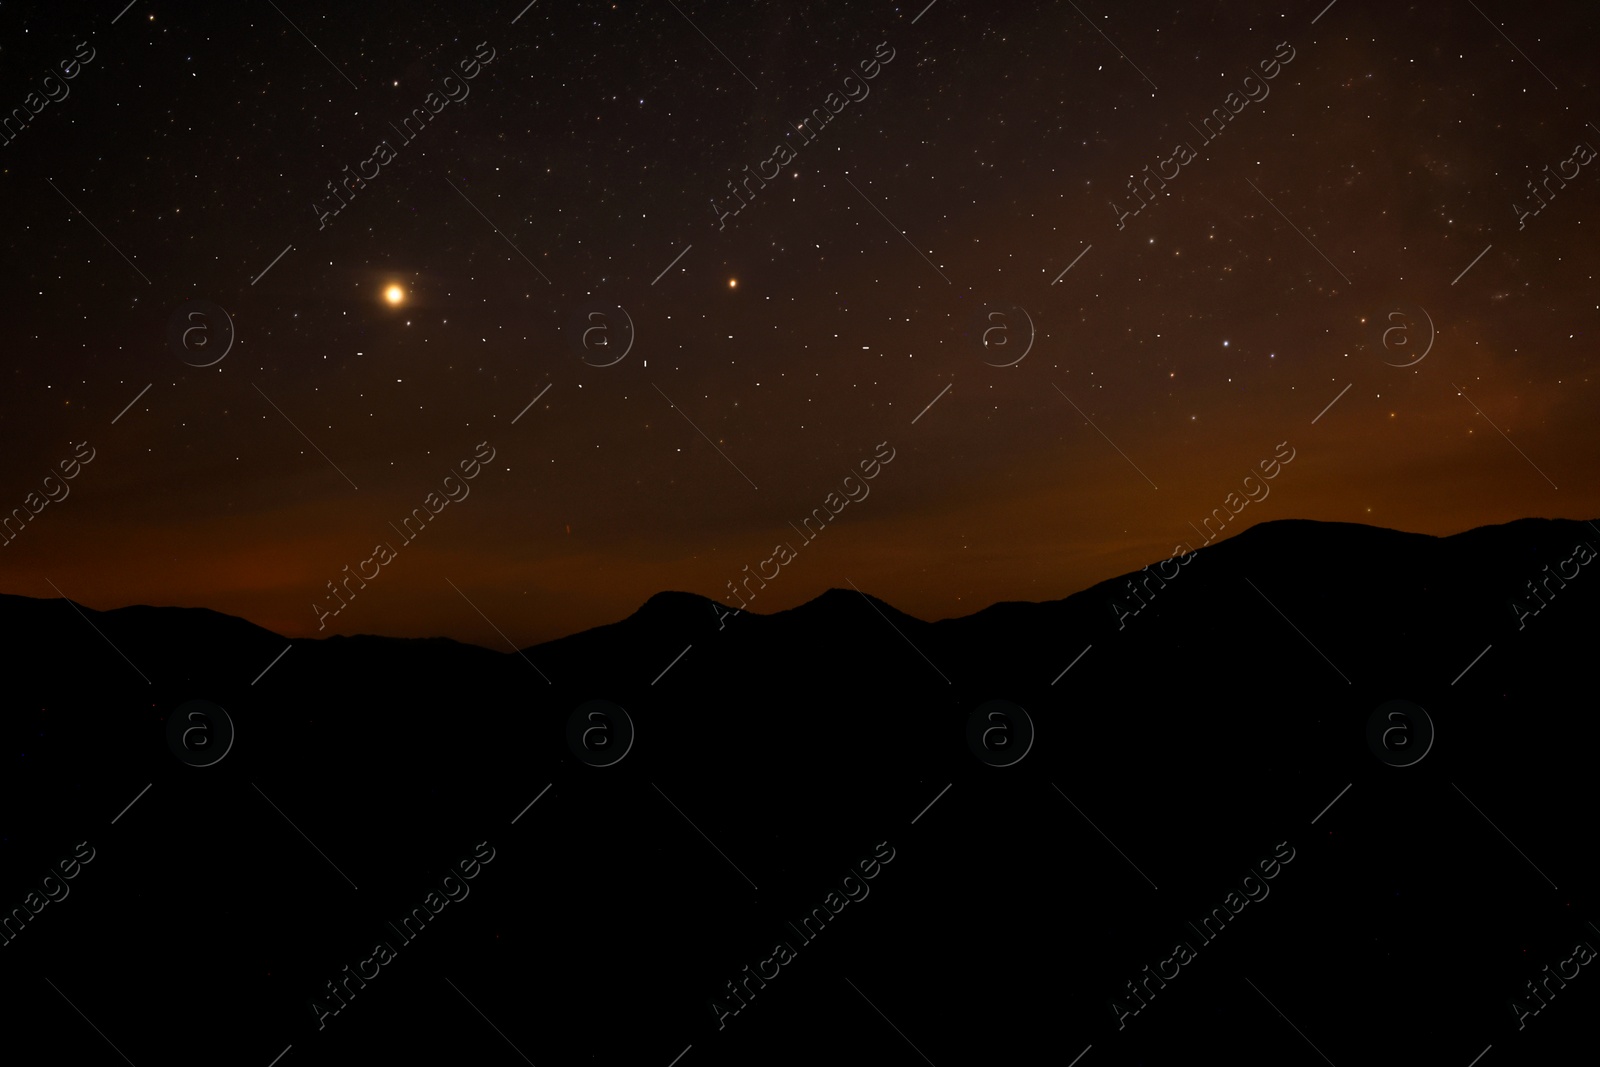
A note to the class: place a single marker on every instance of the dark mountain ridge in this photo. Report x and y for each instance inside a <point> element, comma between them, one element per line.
<point>1171,727</point>
<point>1394,580</point>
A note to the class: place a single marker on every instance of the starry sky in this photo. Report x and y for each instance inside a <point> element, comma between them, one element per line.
<point>572,270</point>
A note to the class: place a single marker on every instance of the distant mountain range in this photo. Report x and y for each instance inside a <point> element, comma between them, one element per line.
<point>1360,605</point>
<point>1178,726</point>
<point>1378,603</point>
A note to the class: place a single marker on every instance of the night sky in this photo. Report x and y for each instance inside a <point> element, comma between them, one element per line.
<point>966,170</point>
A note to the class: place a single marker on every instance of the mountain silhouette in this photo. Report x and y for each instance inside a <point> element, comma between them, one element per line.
<point>1394,582</point>
<point>1178,724</point>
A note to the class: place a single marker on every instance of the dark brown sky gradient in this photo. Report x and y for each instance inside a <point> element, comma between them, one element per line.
<point>1211,328</point>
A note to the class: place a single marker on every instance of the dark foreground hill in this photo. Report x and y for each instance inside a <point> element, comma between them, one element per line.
<point>1180,730</point>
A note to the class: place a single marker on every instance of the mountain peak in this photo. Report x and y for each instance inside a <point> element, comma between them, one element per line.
<point>675,603</point>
